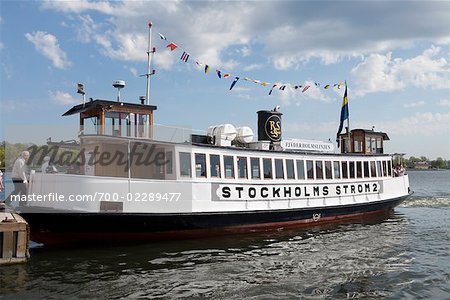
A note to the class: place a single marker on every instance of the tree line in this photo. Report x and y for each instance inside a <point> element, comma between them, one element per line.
<point>438,163</point>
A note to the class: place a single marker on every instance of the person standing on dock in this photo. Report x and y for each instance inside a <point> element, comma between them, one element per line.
<point>19,176</point>
<point>1,180</point>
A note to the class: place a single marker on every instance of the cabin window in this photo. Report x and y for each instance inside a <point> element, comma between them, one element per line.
<point>200,165</point>
<point>300,169</point>
<point>344,170</point>
<point>279,169</point>
<point>389,168</point>
<point>185,164</point>
<point>290,169</point>
<point>328,170</point>
<point>351,166</point>
<point>267,168</point>
<point>256,174</point>
<point>310,169</point>
<point>228,163</point>
<point>379,170</point>
<point>337,170</point>
<point>358,145</point>
<point>366,169</point>
<point>169,162</point>
<point>359,169</point>
<point>319,169</point>
<point>384,168</point>
<point>373,170</point>
<point>214,162</point>
<point>242,167</point>
<point>379,145</point>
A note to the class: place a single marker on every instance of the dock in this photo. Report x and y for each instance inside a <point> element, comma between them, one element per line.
<point>14,237</point>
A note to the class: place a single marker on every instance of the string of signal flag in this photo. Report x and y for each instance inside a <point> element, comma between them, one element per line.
<point>185,56</point>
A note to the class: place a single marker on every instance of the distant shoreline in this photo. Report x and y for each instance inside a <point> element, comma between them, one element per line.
<point>426,170</point>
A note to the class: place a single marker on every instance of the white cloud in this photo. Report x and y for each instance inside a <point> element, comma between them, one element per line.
<point>244,51</point>
<point>62,98</point>
<point>444,102</point>
<point>133,71</point>
<point>252,67</point>
<point>47,44</point>
<point>2,46</point>
<point>379,72</point>
<point>427,124</point>
<point>287,31</point>
<point>414,104</point>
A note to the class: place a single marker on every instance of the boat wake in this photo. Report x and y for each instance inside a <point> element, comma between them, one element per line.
<point>432,202</point>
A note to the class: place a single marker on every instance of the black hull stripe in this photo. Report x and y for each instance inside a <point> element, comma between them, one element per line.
<point>70,227</point>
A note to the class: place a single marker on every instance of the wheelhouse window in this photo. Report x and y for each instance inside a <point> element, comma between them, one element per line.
<point>267,168</point>
<point>300,169</point>
<point>200,165</point>
<point>337,170</point>
<point>359,169</point>
<point>185,164</point>
<point>358,145</point>
<point>290,169</point>
<point>328,171</point>
<point>214,162</point>
<point>319,169</point>
<point>384,168</point>
<point>366,169</point>
<point>228,163</point>
<point>242,167</point>
<point>279,169</point>
<point>310,169</point>
<point>351,167</point>
<point>256,173</point>
<point>389,168</point>
<point>344,170</point>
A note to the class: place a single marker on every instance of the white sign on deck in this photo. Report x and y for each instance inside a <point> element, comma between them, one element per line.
<point>307,145</point>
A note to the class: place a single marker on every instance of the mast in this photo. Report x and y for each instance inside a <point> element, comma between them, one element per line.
<point>150,52</point>
<point>348,121</point>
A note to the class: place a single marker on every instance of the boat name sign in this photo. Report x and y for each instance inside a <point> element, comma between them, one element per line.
<point>308,145</point>
<point>292,191</point>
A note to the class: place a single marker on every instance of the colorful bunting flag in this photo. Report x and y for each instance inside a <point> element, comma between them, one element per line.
<point>172,46</point>
<point>273,86</point>
<point>327,87</point>
<point>234,82</point>
<point>282,87</point>
<point>206,69</point>
<point>305,88</point>
<point>226,75</point>
<point>184,57</point>
<point>219,73</point>
<point>162,36</point>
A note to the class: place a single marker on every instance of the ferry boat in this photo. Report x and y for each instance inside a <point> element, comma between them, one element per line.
<point>125,184</point>
<point>125,180</point>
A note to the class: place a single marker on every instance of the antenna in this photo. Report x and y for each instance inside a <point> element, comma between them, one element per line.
<point>118,84</point>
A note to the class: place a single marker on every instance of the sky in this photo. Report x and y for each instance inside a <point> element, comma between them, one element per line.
<point>394,56</point>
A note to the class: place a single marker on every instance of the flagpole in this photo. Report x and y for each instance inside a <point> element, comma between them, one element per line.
<point>149,52</point>
<point>348,121</point>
